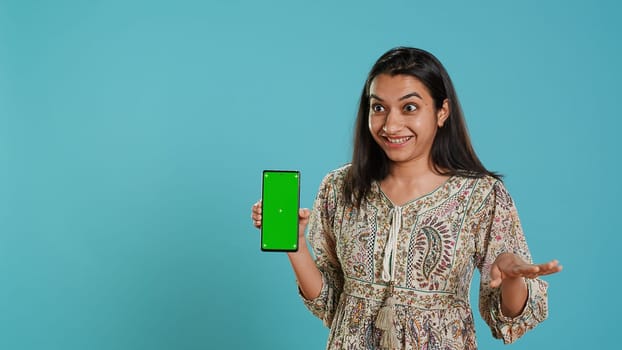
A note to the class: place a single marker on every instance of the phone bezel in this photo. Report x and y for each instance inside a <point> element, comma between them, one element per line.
<point>297,209</point>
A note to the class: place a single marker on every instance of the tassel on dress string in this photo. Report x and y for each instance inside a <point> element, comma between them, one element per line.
<point>385,322</point>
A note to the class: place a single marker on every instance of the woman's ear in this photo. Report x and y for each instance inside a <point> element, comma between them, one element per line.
<point>443,113</point>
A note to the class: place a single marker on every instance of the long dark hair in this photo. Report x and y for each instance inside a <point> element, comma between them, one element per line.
<point>451,153</point>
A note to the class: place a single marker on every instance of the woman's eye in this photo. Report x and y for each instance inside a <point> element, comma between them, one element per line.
<point>410,108</point>
<point>377,108</point>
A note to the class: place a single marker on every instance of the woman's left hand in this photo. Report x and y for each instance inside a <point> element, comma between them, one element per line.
<point>509,265</point>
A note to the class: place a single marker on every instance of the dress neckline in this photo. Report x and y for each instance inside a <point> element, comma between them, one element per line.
<point>442,187</point>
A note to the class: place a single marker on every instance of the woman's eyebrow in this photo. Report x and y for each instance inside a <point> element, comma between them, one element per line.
<point>376,97</point>
<point>412,94</point>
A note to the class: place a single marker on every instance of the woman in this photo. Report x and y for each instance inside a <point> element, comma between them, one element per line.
<point>397,233</point>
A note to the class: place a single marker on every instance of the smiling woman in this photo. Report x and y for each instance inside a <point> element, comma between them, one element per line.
<point>398,233</point>
<point>404,123</point>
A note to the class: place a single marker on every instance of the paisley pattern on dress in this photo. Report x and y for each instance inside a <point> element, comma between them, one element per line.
<point>431,251</point>
<point>459,227</point>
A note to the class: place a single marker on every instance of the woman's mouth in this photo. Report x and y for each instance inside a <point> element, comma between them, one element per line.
<point>397,140</point>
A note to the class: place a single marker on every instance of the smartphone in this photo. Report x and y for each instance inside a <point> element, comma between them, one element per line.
<point>280,194</point>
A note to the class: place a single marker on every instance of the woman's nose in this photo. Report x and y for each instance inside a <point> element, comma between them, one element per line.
<point>392,124</point>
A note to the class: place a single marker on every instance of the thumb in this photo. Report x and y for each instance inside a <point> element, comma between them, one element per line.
<point>304,213</point>
<point>303,220</point>
<point>495,276</point>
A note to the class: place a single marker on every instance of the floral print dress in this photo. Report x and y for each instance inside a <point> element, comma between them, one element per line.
<point>443,236</point>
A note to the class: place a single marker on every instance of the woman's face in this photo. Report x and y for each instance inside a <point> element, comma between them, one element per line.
<point>403,118</point>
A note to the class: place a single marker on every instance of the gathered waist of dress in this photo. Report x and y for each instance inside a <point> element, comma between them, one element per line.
<point>403,296</point>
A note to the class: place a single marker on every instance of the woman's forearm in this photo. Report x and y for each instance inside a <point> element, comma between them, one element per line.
<point>308,275</point>
<point>514,295</point>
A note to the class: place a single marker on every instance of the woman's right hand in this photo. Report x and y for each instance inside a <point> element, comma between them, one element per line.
<point>303,218</point>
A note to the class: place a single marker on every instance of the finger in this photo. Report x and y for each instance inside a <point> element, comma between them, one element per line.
<point>495,283</point>
<point>549,264</point>
<point>304,213</point>
<point>256,212</point>
<point>542,269</point>
<point>525,270</point>
<point>257,209</point>
<point>551,271</point>
<point>495,276</point>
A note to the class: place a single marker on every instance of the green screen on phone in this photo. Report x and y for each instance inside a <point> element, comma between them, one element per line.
<point>280,202</point>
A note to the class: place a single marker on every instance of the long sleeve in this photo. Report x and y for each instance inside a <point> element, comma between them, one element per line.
<point>500,231</point>
<point>322,239</point>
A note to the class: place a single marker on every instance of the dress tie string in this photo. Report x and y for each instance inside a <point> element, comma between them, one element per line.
<point>390,250</point>
<point>385,320</point>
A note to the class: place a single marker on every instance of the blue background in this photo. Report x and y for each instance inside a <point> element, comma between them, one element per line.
<point>133,135</point>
